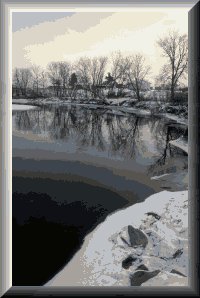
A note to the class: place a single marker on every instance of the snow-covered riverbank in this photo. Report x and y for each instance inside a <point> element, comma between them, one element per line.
<point>143,245</point>
<point>22,107</point>
<point>115,106</point>
<point>180,143</point>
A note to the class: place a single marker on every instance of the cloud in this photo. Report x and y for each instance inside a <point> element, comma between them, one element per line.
<point>94,34</point>
<point>169,22</point>
<point>21,20</point>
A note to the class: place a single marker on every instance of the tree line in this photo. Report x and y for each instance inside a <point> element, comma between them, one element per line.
<point>100,77</point>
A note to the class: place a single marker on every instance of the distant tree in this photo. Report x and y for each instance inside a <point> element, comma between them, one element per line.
<point>119,67</point>
<point>54,76</point>
<point>91,73</point>
<point>16,83</point>
<point>97,72</point>
<point>64,75</point>
<point>21,80</point>
<point>83,72</point>
<point>44,82</point>
<point>73,80</point>
<point>137,73</point>
<point>72,91</point>
<point>175,48</point>
<point>109,79</point>
<point>36,78</point>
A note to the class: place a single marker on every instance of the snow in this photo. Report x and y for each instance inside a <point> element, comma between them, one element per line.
<point>21,107</point>
<point>135,111</point>
<point>158,177</point>
<point>117,101</point>
<point>115,112</point>
<point>20,100</point>
<point>99,261</point>
<point>173,181</point>
<point>180,143</point>
<point>176,118</point>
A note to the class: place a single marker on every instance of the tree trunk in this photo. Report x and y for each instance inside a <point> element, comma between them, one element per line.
<point>137,90</point>
<point>172,93</point>
<point>37,90</point>
<point>138,94</point>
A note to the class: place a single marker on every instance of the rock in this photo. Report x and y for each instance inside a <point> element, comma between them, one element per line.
<point>141,276</point>
<point>128,262</point>
<point>137,237</point>
<point>124,241</point>
<point>154,215</point>
<point>142,267</point>
<point>177,272</point>
<point>166,279</point>
<point>178,253</point>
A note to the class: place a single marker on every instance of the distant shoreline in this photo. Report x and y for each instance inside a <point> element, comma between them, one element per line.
<point>119,109</point>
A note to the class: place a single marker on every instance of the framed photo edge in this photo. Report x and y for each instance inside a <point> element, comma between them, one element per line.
<point>6,155</point>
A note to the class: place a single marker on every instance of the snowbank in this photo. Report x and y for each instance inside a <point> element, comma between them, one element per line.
<point>176,118</point>
<point>137,111</point>
<point>180,143</point>
<point>20,100</point>
<point>145,244</point>
<point>119,100</point>
<point>173,181</point>
<point>20,107</point>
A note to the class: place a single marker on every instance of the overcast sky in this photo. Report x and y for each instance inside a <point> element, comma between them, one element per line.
<point>42,37</point>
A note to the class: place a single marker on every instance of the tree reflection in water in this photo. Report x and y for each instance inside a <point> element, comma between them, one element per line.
<point>167,151</point>
<point>125,136</point>
<point>22,121</point>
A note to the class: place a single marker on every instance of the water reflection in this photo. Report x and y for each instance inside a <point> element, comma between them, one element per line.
<point>22,121</point>
<point>126,137</point>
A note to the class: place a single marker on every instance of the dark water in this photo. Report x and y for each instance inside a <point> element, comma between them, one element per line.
<point>52,216</point>
<point>50,219</point>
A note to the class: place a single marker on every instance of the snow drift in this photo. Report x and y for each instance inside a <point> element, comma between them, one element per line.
<point>143,245</point>
<point>21,107</point>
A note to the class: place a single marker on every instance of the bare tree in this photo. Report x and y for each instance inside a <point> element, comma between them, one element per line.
<point>26,78</point>
<point>98,66</point>
<point>16,82</point>
<point>175,48</point>
<point>54,76</point>
<point>44,81</point>
<point>91,74</point>
<point>72,90</point>
<point>83,67</point>
<point>64,74</point>
<point>118,73</point>
<point>36,77</point>
<point>22,78</point>
<point>137,73</point>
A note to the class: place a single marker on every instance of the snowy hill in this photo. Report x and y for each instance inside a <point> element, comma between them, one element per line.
<point>143,245</point>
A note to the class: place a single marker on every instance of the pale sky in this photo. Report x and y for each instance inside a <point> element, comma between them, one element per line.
<point>39,38</point>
